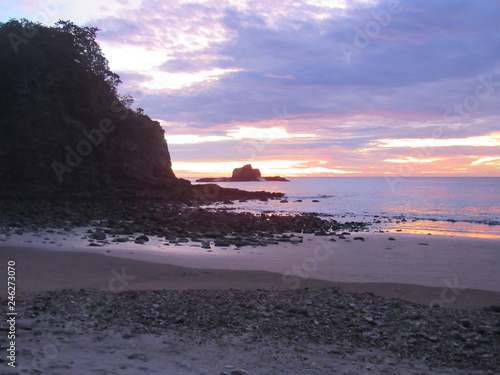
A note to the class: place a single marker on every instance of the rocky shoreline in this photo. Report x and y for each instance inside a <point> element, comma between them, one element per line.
<point>341,321</point>
<point>121,221</point>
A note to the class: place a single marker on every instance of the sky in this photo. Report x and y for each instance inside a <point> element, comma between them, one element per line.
<point>307,87</point>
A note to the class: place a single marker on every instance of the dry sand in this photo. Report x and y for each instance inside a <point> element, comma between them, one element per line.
<point>454,272</point>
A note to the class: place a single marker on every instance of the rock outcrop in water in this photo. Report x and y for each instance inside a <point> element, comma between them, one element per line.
<point>63,127</point>
<point>245,173</point>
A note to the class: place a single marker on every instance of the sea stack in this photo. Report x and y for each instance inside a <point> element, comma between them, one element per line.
<point>243,174</point>
<point>246,173</point>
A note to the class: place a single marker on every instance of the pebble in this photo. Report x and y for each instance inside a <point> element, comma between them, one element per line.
<point>239,372</point>
<point>317,316</point>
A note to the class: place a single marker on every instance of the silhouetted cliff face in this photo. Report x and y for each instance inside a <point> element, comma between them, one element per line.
<point>63,127</point>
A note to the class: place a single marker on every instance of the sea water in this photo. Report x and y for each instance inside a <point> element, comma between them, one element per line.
<point>453,205</point>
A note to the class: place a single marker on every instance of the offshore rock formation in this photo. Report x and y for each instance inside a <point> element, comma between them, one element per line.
<point>245,173</point>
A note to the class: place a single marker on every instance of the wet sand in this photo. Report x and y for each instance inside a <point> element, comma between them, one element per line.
<point>447,271</point>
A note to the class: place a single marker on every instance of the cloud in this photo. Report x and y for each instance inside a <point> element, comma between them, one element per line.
<point>491,140</point>
<point>492,160</point>
<point>205,68</point>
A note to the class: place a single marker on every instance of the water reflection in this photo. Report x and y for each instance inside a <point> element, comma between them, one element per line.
<point>446,228</point>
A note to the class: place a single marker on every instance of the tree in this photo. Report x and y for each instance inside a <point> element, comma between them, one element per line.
<point>89,53</point>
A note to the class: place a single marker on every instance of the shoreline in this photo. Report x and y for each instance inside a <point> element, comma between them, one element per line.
<point>105,299</point>
<point>387,223</point>
<point>353,265</point>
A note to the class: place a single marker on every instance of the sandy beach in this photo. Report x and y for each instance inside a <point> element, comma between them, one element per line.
<point>417,268</point>
<point>438,270</point>
<point>208,293</point>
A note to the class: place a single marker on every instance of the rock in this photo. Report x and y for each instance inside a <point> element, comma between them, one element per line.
<point>142,238</point>
<point>486,329</point>
<point>138,356</point>
<point>492,308</point>
<point>469,345</point>
<point>239,372</point>
<point>275,178</point>
<point>242,243</point>
<point>359,239</point>
<point>221,243</point>
<point>98,235</point>
<point>205,245</point>
<point>315,201</point>
<point>392,239</point>
<point>465,323</point>
<point>246,173</point>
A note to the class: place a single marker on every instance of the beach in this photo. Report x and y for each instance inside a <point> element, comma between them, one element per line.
<point>417,268</point>
<point>57,272</point>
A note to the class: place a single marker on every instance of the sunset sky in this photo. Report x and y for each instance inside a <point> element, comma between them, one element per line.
<point>306,87</point>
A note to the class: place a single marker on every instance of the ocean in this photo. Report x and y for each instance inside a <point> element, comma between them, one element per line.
<point>466,206</point>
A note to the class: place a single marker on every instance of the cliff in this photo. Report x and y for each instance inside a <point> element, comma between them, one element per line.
<point>63,126</point>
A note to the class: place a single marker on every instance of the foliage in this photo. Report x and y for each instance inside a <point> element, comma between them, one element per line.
<point>37,61</point>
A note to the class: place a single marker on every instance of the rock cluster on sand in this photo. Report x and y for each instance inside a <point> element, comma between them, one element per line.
<point>437,336</point>
<point>116,221</point>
